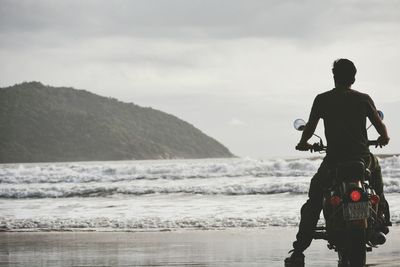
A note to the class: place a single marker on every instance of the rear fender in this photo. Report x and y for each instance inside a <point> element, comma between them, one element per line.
<point>351,185</point>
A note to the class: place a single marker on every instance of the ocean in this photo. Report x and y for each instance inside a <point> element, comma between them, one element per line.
<point>163,195</point>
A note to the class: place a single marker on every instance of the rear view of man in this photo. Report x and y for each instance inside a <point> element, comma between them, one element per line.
<point>344,112</point>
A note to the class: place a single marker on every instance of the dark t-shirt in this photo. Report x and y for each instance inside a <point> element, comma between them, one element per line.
<point>344,112</point>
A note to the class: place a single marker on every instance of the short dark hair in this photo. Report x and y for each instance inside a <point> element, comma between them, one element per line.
<point>344,71</point>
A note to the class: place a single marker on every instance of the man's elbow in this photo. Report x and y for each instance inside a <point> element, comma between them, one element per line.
<point>312,125</point>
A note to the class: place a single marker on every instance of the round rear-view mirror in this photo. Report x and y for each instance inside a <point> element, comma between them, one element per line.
<point>299,124</point>
<point>380,113</point>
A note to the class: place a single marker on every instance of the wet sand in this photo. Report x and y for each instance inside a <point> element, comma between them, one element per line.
<point>247,247</point>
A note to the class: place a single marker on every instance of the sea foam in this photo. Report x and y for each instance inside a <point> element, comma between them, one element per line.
<point>163,195</point>
<point>209,177</point>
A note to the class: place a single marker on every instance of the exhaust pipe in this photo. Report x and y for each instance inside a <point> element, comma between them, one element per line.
<point>378,238</point>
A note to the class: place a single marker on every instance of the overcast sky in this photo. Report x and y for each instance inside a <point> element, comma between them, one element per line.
<point>241,71</point>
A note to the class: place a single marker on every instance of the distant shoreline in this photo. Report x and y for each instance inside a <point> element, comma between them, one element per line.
<point>42,123</point>
<point>382,156</point>
<point>118,161</point>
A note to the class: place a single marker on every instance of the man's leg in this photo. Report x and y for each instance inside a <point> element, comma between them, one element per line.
<point>376,181</point>
<point>310,212</point>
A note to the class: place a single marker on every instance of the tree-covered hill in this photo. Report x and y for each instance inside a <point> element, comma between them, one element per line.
<point>41,123</point>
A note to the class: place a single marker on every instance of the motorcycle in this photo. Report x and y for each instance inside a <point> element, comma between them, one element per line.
<point>353,221</point>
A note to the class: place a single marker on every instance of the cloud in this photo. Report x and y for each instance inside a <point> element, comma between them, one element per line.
<point>195,19</point>
<point>236,122</point>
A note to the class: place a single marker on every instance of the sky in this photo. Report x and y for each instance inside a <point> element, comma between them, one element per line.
<point>240,71</point>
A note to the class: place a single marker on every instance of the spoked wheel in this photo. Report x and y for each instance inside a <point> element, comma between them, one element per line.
<point>354,254</point>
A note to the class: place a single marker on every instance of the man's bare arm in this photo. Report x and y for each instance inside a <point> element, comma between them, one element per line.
<point>308,131</point>
<point>380,128</point>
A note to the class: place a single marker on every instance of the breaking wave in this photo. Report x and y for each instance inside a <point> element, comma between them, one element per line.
<point>102,191</point>
<point>144,224</point>
<point>207,177</point>
<point>163,195</point>
<point>152,170</point>
<point>148,224</point>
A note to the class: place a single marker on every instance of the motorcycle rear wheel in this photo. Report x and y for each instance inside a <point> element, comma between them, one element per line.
<point>355,252</point>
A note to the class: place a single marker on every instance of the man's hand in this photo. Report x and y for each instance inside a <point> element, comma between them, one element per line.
<point>303,146</point>
<point>382,141</point>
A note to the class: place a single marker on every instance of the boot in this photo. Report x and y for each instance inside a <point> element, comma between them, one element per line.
<point>295,260</point>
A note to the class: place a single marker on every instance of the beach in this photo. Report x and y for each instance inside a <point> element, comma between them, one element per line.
<point>229,247</point>
<point>208,212</point>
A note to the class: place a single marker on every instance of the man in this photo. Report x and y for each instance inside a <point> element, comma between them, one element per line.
<point>344,112</point>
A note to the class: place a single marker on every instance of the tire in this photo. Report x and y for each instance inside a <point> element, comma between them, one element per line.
<point>356,249</point>
<point>343,259</point>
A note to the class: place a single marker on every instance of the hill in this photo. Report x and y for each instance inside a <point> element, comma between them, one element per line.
<point>41,123</point>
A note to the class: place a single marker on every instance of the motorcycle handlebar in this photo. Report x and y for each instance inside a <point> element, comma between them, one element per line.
<point>373,143</point>
<point>317,147</point>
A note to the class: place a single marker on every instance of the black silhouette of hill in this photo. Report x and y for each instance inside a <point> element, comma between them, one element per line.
<point>41,123</point>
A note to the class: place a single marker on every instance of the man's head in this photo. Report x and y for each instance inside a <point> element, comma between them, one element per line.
<point>344,72</point>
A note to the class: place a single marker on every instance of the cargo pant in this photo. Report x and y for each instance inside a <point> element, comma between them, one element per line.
<point>311,210</point>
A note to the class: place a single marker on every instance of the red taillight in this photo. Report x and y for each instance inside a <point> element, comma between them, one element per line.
<point>374,199</point>
<point>355,195</point>
<point>335,201</point>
